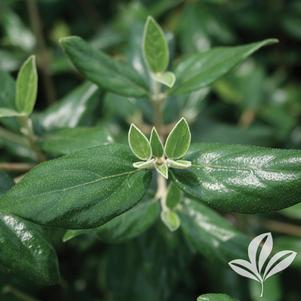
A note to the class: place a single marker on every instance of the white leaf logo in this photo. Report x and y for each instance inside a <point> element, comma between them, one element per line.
<point>258,268</point>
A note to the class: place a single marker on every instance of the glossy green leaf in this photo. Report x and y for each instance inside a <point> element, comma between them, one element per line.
<point>66,141</point>
<point>156,144</point>
<point>83,190</point>
<point>155,46</point>
<point>202,69</point>
<point>171,220</point>
<point>210,234</point>
<point>101,69</point>
<point>74,109</point>
<point>25,252</point>
<point>215,297</point>
<point>27,86</point>
<point>139,144</point>
<point>166,78</point>
<point>162,169</point>
<point>174,195</point>
<point>178,140</point>
<point>6,182</point>
<point>246,179</point>
<point>126,226</point>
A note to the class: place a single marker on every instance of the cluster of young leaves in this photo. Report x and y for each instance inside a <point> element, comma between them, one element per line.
<point>97,186</point>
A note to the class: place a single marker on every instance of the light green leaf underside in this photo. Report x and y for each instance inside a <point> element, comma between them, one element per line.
<point>215,297</point>
<point>178,140</point>
<point>27,86</point>
<point>155,46</point>
<point>167,78</point>
<point>139,144</point>
<point>156,144</point>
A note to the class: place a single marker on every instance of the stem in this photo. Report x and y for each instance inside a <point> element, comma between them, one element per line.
<point>20,295</point>
<point>13,137</point>
<point>42,51</point>
<point>161,191</point>
<point>16,166</point>
<point>261,293</point>
<point>27,130</point>
<point>281,227</point>
<point>247,118</point>
<point>158,99</point>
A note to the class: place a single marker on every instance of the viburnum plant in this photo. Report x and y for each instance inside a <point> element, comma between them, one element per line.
<point>117,191</point>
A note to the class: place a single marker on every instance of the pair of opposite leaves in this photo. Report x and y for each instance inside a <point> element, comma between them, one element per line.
<point>152,152</point>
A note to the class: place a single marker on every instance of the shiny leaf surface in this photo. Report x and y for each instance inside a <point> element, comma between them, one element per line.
<point>71,110</point>
<point>25,252</point>
<point>244,179</point>
<point>83,190</point>
<point>210,234</point>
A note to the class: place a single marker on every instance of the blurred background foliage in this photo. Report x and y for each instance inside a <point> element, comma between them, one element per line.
<point>258,103</point>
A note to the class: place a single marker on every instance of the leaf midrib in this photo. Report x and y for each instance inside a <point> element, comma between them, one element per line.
<point>87,183</point>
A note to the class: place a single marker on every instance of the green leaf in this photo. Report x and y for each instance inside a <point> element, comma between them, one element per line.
<point>103,70</point>
<point>293,212</point>
<point>144,164</point>
<point>66,141</point>
<point>202,69</point>
<point>126,226</point>
<point>171,220</point>
<point>215,297</point>
<point>210,234</point>
<point>156,144</point>
<point>7,95</point>
<point>76,108</point>
<point>139,144</point>
<point>25,252</point>
<point>167,78</point>
<point>174,195</point>
<point>178,140</point>
<point>179,164</point>
<point>27,86</point>
<point>246,179</point>
<point>83,190</point>
<point>4,112</point>
<point>289,243</point>
<point>162,169</point>
<point>6,182</point>
<point>155,46</point>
